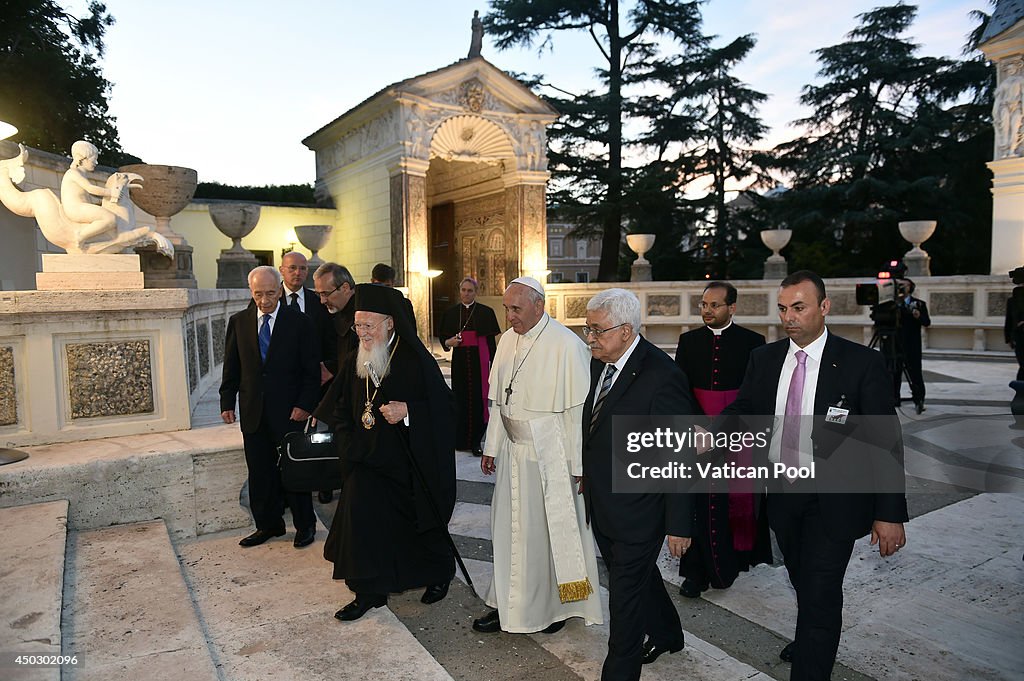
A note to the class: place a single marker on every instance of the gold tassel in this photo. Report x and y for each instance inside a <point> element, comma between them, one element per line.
<point>575,591</point>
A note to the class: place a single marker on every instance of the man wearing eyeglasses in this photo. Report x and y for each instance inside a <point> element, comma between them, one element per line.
<point>730,530</point>
<point>631,377</point>
<point>335,288</point>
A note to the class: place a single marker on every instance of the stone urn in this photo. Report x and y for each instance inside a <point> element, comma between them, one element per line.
<point>164,193</point>
<point>235,221</point>
<point>314,237</point>
<point>640,244</point>
<point>918,261</point>
<point>775,266</point>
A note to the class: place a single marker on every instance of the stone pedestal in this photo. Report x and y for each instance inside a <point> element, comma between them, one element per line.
<point>1007,215</point>
<point>640,272</point>
<point>233,269</point>
<point>918,264</point>
<point>99,272</point>
<point>163,273</point>
<point>83,367</point>
<point>775,267</point>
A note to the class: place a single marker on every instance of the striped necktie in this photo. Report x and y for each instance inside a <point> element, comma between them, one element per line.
<point>264,337</point>
<point>606,385</point>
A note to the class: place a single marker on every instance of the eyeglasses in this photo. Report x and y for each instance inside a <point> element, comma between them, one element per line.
<point>368,327</point>
<point>295,268</point>
<point>324,294</point>
<point>712,306</point>
<point>596,333</point>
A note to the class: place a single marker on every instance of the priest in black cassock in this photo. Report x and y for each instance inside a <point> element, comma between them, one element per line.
<point>469,330</point>
<point>730,530</point>
<point>394,429</point>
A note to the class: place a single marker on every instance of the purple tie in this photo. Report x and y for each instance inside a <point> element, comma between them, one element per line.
<point>791,422</point>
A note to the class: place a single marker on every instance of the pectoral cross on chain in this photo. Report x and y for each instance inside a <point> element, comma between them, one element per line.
<point>508,393</point>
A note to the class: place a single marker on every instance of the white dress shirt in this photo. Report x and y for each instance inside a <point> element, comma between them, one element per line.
<point>814,351</point>
<point>273,318</point>
<point>301,299</point>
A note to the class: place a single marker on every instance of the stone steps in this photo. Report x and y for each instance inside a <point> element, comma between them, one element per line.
<point>269,613</point>
<point>34,540</point>
<point>127,610</point>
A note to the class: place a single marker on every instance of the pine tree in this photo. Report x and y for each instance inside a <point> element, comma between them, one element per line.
<point>51,87</point>
<point>591,182</point>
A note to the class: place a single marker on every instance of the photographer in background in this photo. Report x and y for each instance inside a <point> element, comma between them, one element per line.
<point>1014,329</point>
<point>913,316</point>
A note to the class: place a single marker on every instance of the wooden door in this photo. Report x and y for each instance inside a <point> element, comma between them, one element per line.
<point>442,257</point>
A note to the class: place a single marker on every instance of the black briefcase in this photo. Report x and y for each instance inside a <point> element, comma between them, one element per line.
<point>309,462</point>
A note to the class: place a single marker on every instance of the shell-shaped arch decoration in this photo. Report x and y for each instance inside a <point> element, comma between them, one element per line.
<point>472,139</point>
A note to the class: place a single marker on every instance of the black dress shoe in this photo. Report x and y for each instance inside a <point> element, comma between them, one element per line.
<point>488,624</point>
<point>260,536</point>
<point>325,497</point>
<point>304,537</point>
<point>652,651</point>
<point>435,593</point>
<point>691,589</point>
<point>360,606</point>
<point>553,628</point>
<point>787,653</point>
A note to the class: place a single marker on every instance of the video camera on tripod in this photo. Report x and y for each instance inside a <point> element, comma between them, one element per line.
<point>883,296</point>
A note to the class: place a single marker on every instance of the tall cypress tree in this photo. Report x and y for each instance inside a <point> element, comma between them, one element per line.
<point>890,138</point>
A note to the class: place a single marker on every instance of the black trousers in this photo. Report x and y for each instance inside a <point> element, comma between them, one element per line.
<point>912,364</point>
<point>266,495</point>
<point>816,565</point>
<point>638,603</point>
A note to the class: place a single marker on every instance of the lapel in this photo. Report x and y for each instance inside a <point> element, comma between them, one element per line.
<point>778,351</point>
<point>247,335</point>
<point>622,382</point>
<point>828,375</point>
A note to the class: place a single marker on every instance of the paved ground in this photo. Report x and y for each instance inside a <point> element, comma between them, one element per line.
<point>949,606</point>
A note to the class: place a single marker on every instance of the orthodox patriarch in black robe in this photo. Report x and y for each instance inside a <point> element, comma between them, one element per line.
<point>471,364</point>
<point>730,529</point>
<point>386,537</point>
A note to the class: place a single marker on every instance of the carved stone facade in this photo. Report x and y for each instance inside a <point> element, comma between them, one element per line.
<point>109,379</point>
<point>467,135</point>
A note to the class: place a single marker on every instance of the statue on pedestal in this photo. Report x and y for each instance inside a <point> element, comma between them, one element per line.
<point>1008,111</point>
<point>74,222</point>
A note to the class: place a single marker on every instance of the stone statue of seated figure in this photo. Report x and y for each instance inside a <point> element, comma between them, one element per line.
<point>74,222</point>
<point>75,190</point>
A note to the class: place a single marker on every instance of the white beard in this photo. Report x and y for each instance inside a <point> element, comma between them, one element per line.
<point>376,357</point>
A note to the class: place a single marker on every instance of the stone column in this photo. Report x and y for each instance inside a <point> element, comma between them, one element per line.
<point>409,239</point>
<point>1006,51</point>
<point>526,226</point>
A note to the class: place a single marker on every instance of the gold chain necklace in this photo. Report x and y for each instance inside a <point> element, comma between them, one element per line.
<point>368,419</point>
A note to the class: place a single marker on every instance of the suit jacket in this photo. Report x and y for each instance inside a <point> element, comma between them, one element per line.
<point>290,376</point>
<point>650,383</point>
<point>856,376</point>
<point>910,328</point>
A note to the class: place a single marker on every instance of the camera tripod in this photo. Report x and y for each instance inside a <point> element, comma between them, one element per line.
<point>887,341</point>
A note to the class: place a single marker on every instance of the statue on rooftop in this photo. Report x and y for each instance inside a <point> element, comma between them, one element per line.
<point>1008,111</point>
<point>74,222</point>
<point>476,43</point>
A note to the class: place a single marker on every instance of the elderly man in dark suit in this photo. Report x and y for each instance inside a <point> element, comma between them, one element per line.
<point>630,376</point>
<point>816,373</point>
<point>271,362</point>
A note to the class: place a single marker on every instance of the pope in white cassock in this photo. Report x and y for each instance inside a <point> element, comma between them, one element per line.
<point>545,567</point>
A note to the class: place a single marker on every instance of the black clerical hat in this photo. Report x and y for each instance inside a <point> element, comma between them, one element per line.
<point>379,299</point>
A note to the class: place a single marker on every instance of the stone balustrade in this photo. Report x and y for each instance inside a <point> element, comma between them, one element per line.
<point>967,311</point>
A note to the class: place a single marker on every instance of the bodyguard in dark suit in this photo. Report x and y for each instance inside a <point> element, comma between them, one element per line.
<point>630,376</point>
<point>294,271</point>
<point>809,373</point>
<point>270,365</point>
